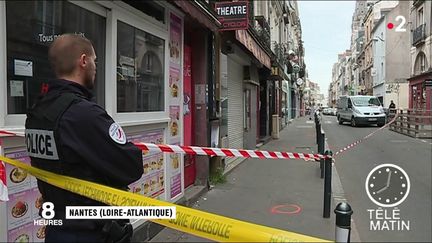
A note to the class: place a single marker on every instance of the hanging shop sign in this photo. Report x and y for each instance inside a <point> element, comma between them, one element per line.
<point>232,15</point>
<point>296,68</point>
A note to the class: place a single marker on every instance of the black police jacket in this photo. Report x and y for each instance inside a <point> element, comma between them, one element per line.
<point>69,134</point>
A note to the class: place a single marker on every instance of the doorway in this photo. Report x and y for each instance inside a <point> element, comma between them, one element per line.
<point>250,116</point>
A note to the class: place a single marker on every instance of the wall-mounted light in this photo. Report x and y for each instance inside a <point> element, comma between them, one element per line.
<point>377,38</point>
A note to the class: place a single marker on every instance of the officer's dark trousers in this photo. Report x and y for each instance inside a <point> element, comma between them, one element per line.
<point>68,235</point>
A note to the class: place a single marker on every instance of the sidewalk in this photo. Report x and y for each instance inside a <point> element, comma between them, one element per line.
<point>256,186</point>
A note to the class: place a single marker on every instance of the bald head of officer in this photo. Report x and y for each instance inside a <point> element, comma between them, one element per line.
<point>73,58</point>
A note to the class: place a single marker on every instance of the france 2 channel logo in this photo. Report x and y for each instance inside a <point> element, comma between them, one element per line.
<point>401,26</point>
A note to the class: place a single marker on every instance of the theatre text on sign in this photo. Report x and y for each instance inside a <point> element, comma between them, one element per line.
<point>231,10</point>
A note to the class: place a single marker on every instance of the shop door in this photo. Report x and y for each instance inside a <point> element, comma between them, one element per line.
<point>293,105</point>
<point>250,116</point>
<point>264,112</point>
<point>189,160</point>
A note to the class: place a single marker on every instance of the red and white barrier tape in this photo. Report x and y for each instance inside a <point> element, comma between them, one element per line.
<point>224,152</point>
<point>11,134</point>
<point>364,138</point>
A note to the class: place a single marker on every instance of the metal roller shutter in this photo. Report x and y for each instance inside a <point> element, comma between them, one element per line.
<point>235,104</point>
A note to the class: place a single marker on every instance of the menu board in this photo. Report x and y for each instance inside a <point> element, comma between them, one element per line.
<point>152,182</point>
<point>24,202</point>
<point>174,84</point>
<point>175,100</point>
<point>174,126</point>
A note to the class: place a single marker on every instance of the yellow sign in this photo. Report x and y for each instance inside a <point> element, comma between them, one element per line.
<point>192,221</point>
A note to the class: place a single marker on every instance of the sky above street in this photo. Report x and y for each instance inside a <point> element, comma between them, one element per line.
<point>326,32</point>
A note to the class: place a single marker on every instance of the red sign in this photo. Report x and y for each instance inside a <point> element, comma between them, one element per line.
<point>246,39</point>
<point>233,15</point>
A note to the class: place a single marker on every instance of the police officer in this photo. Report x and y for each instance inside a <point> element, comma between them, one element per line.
<point>67,133</point>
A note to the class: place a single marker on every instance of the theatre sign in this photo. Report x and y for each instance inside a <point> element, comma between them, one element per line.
<point>232,15</point>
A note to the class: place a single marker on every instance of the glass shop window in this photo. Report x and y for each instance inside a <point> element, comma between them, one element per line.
<point>31,27</point>
<point>140,70</point>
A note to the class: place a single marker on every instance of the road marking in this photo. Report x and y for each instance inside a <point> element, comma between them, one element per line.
<point>309,122</point>
<point>328,122</point>
<point>303,147</point>
<point>398,141</point>
<point>304,126</point>
<point>286,209</point>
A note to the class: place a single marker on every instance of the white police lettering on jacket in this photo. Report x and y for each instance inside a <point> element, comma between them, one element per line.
<point>41,144</point>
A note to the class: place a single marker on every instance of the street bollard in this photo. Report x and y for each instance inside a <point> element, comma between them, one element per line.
<point>321,148</point>
<point>327,184</point>
<point>317,128</point>
<point>343,213</point>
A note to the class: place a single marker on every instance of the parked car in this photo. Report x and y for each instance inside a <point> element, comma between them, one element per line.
<point>326,111</point>
<point>360,109</point>
<point>333,111</point>
<point>330,111</point>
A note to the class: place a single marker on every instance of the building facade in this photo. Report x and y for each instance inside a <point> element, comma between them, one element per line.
<point>167,74</point>
<point>421,55</point>
<point>391,59</point>
<point>153,56</point>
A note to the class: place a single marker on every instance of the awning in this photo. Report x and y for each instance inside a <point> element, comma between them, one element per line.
<point>200,13</point>
<point>421,76</point>
<point>246,39</point>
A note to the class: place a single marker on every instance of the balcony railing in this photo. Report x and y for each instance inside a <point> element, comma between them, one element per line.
<point>419,34</point>
<point>417,3</point>
<point>279,51</point>
<point>263,30</point>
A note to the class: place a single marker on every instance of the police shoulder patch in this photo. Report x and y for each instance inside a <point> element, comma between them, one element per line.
<point>117,134</point>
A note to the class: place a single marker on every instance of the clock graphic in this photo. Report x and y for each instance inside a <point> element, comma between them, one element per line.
<point>387,185</point>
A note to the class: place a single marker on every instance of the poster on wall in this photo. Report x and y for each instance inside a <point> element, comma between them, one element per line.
<point>175,181</point>
<point>18,180</point>
<point>24,203</point>
<point>174,85</point>
<point>23,68</point>
<point>152,182</point>
<point>175,161</point>
<point>16,88</point>
<point>187,95</point>
<point>175,39</point>
<point>175,185</point>
<point>174,126</point>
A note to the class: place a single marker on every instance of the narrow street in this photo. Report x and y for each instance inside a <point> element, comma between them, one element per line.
<point>208,106</point>
<point>250,192</point>
<point>353,166</point>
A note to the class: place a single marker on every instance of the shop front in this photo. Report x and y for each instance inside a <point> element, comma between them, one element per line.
<point>232,129</point>
<point>241,63</point>
<point>139,81</point>
<point>284,103</point>
<point>420,92</point>
<point>199,101</point>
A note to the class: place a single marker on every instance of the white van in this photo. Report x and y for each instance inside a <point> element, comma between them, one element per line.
<point>360,109</point>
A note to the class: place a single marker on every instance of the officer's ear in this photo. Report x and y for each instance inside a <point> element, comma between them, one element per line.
<point>83,61</point>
